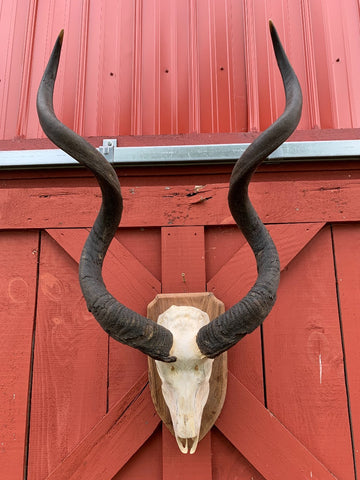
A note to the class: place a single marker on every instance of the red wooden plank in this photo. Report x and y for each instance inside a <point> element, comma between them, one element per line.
<point>132,284</point>
<point>227,461</point>
<point>245,357</point>
<point>113,441</point>
<point>347,255</point>
<point>183,259</point>
<point>289,240</point>
<point>333,199</point>
<point>304,367</point>
<point>126,364</point>
<point>183,252</point>
<point>144,244</point>
<point>18,271</point>
<point>263,440</point>
<point>148,458</point>
<point>177,466</point>
<point>124,275</point>
<point>221,243</point>
<point>70,364</point>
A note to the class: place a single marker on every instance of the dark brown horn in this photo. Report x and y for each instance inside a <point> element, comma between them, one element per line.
<point>241,319</point>
<point>118,321</point>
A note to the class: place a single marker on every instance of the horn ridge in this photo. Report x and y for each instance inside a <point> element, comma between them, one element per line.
<point>246,315</point>
<point>121,323</point>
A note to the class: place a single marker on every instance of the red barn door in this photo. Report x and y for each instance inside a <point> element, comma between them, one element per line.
<point>291,409</point>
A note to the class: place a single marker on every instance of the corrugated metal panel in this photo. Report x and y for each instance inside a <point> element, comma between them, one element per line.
<point>149,67</point>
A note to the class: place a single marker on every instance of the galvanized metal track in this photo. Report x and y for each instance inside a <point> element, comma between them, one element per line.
<point>185,154</point>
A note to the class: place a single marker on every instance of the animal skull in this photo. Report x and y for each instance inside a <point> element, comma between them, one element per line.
<point>185,383</point>
<point>188,350</point>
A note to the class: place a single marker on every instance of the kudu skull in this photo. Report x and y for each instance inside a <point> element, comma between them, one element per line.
<point>183,351</point>
<point>186,382</point>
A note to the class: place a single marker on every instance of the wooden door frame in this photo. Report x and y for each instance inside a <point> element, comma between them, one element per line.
<point>254,428</point>
<point>330,197</point>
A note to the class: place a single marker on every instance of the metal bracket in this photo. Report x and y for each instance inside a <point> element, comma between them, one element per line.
<point>108,149</point>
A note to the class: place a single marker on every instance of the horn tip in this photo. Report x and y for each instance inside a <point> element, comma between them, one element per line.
<point>274,36</point>
<point>272,27</point>
<point>61,36</point>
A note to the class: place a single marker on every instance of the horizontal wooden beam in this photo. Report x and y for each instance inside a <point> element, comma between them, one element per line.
<point>288,201</point>
<point>114,440</point>
<point>263,440</point>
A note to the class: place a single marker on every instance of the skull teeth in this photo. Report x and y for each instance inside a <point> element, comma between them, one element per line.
<point>195,441</point>
<point>183,448</point>
<point>184,444</point>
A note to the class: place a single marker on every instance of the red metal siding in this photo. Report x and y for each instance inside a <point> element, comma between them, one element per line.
<point>135,67</point>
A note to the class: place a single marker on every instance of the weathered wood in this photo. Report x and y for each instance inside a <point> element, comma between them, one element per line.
<point>132,284</point>
<point>148,458</point>
<point>172,253</point>
<point>144,245</point>
<point>113,441</point>
<point>245,358</point>
<point>218,380</point>
<point>183,271</point>
<point>263,440</point>
<point>175,174</point>
<point>347,257</point>
<point>205,301</point>
<point>69,390</point>
<point>285,201</point>
<point>304,367</point>
<point>177,466</point>
<point>126,365</point>
<point>228,462</point>
<point>289,240</point>
<point>222,242</point>
<point>18,272</point>
<point>124,275</point>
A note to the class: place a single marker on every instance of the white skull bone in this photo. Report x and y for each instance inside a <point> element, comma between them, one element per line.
<point>185,383</point>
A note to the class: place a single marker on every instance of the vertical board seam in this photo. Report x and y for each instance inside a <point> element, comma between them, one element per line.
<point>108,376</point>
<point>343,351</point>
<point>31,369</point>
<point>263,364</point>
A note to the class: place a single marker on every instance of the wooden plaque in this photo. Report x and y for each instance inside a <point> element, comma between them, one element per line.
<point>218,380</point>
